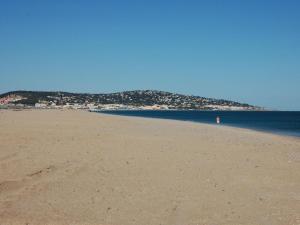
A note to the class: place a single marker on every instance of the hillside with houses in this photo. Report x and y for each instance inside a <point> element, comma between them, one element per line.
<point>131,100</point>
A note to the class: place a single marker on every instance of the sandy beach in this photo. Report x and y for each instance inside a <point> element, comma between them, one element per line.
<point>77,167</point>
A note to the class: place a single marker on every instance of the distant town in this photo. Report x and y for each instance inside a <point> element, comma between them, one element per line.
<point>127,100</point>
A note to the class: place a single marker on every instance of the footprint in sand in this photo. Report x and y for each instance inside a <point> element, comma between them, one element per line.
<point>13,185</point>
<point>42,171</point>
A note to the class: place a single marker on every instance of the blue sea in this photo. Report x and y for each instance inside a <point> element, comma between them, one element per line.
<point>279,122</point>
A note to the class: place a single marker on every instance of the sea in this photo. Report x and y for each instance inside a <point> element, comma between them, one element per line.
<point>278,122</point>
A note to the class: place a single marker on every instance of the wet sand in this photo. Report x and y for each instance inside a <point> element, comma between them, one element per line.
<point>76,167</point>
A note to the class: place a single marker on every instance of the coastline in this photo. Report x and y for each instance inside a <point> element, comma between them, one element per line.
<point>244,127</point>
<point>61,167</point>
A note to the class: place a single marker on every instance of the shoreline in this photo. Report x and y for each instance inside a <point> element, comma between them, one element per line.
<point>266,131</point>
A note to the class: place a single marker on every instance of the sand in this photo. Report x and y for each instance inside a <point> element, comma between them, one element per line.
<point>77,167</point>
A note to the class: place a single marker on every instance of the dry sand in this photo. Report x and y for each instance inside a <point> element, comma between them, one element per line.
<point>76,167</point>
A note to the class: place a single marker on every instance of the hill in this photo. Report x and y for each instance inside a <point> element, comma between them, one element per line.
<point>138,99</point>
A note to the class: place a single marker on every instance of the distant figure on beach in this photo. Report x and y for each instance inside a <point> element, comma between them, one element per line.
<point>218,120</point>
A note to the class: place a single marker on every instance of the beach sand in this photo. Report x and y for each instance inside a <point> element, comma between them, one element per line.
<point>77,167</point>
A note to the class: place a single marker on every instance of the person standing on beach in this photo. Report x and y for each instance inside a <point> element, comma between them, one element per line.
<point>218,120</point>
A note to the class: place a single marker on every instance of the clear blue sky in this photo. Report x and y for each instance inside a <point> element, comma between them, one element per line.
<point>247,51</point>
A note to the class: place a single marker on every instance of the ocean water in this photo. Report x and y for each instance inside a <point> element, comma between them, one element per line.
<point>279,122</point>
